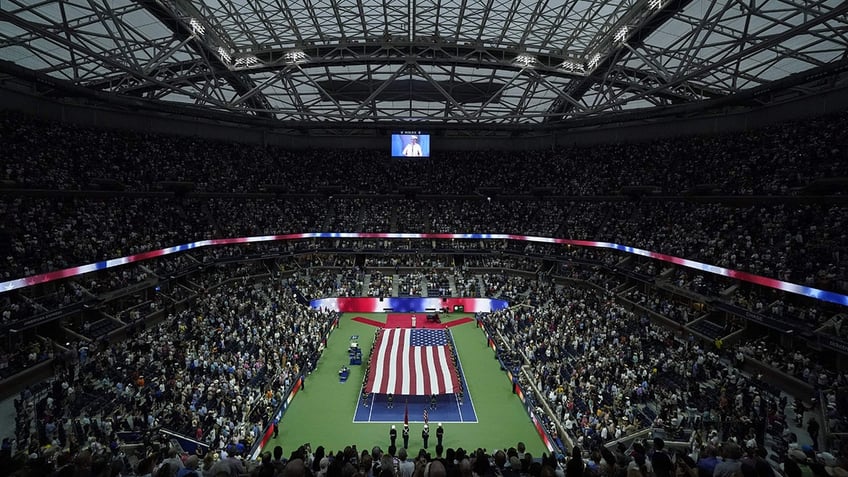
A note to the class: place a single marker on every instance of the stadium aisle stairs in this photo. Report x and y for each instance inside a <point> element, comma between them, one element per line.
<point>361,214</point>
<point>563,228</point>
<point>393,223</point>
<point>328,217</point>
<point>422,285</point>
<point>7,417</point>
<point>395,285</point>
<point>207,212</point>
<point>774,444</point>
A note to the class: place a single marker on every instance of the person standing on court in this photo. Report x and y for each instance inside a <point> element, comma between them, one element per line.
<point>425,434</point>
<point>392,435</point>
<point>440,433</point>
<point>406,436</point>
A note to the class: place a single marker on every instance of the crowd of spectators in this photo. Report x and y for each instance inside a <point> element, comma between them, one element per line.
<point>345,279</point>
<point>506,287</point>
<point>607,372</point>
<point>438,283</point>
<point>803,244</point>
<point>407,260</point>
<point>410,284</point>
<point>346,215</point>
<point>352,282</point>
<point>304,461</point>
<point>614,373</point>
<point>316,283</point>
<point>806,366</point>
<point>380,284</point>
<point>676,311</point>
<point>783,157</point>
<point>465,283</point>
<point>503,263</point>
<point>42,235</point>
<point>214,371</point>
<point>799,242</point>
<point>251,217</point>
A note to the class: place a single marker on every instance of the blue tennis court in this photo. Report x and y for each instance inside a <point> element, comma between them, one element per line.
<point>412,402</point>
<point>447,408</point>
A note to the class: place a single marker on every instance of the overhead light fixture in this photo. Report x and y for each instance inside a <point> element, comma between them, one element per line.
<point>594,61</point>
<point>295,56</point>
<point>526,61</point>
<point>572,66</point>
<point>196,27</point>
<point>656,4</point>
<point>225,57</point>
<point>621,35</point>
<point>246,62</point>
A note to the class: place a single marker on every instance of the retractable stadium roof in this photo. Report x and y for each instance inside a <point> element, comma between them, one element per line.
<point>495,64</point>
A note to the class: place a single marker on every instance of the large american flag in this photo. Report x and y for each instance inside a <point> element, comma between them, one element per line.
<point>412,362</point>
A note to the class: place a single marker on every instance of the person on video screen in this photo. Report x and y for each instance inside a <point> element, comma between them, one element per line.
<point>413,149</point>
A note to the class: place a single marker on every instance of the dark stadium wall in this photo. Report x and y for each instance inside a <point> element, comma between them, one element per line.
<point>14,96</point>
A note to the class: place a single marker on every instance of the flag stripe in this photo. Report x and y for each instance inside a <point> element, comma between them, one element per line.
<point>429,382</point>
<point>379,357</point>
<point>440,365</point>
<point>420,366</point>
<point>398,367</point>
<point>432,371</point>
<point>391,360</point>
<point>404,350</point>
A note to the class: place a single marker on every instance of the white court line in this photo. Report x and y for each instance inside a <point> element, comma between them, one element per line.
<point>471,401</point>
<point>356,403</point>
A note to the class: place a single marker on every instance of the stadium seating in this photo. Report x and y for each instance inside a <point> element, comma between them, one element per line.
<point>618,295</point>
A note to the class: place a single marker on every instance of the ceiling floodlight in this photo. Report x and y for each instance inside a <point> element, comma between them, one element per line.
<point>246,62</point>
<point>621,35</point>
<point>295,56</point>
<point>594,61</point>
<point>225,57</point>
<point>656,4</point>
<point>196,27</point>
<point>572,66</point>
<point>526,61</point>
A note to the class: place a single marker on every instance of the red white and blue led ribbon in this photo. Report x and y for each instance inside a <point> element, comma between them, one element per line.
<point>811,292</point>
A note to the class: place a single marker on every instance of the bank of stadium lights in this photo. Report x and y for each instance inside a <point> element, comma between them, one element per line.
<point>621,35</point>
<point>246,62</point>
<point>295,56</point>
<point>526,61</point>
<point>196,27</point>
<point>656,4</point>
<point>225,57</point>
<point>572,66</point>
<point>594,61</point>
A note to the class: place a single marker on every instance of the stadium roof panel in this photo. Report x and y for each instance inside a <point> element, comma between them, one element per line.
<point>518,62</point>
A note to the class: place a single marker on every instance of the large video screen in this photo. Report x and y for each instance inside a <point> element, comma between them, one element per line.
<point>410,144</point>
